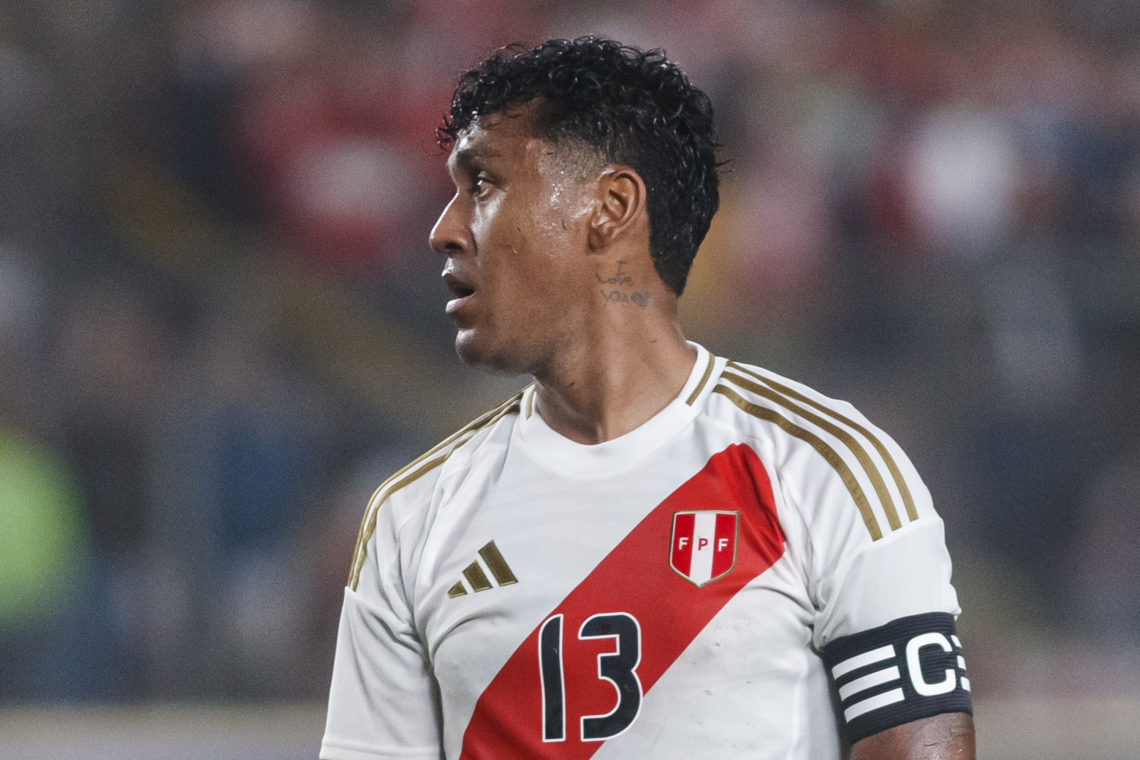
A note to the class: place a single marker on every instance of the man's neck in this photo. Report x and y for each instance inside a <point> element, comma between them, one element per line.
<point>615,385</point>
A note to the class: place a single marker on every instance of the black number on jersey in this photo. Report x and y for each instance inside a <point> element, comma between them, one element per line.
<point>553,687</point>
<point>619,667</point>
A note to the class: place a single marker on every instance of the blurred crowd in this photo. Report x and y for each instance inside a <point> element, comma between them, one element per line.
<point>221,326</point>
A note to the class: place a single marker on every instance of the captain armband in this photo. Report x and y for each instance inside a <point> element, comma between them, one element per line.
<point>908,669</point>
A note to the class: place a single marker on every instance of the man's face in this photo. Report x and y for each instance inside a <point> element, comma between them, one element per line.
<point>515,239</point>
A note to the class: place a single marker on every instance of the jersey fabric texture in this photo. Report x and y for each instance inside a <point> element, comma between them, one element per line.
<point>672,593</point>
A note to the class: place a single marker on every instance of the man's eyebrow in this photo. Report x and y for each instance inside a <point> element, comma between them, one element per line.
<point>469,154</point>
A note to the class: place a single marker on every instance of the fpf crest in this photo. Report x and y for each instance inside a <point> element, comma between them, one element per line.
<point>703,544</point>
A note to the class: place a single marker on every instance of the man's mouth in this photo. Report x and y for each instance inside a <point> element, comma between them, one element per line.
<point>460,289</point>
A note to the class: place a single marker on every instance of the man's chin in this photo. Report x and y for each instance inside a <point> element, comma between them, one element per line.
<point>475,354</point>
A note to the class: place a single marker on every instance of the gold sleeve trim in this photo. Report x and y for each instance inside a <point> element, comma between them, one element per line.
<point>828,427</point>
<point>367,530</point>
<point>704,380</point>
<point>875,441</point>
<point>413,471</point>
<point>828,453</point>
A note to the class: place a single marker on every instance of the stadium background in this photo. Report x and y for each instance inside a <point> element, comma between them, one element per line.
<point>221,326</point>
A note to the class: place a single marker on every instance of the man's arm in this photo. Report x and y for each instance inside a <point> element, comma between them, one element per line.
<point>949,736</point>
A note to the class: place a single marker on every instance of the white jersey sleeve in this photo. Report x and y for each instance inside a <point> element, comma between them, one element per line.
<point>871,550</point>
<point>865,572</point>
<point>383,701</point>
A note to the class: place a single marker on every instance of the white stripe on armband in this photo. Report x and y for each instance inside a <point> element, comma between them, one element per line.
<point>873,703</point>
<point>886,675</point>
<point>861,660</point>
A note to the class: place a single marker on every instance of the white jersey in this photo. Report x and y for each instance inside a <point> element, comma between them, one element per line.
<point>755,572</point>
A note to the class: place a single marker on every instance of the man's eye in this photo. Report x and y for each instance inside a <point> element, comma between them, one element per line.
<point>479,186</point>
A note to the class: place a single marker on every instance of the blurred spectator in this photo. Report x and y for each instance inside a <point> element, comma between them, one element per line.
<point>42,559</point>
<point>110,363</point>
<point>1102,560</point>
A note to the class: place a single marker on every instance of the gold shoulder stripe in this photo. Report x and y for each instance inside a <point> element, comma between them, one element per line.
<point>876,441</point>
<point>368,521</point>
<point>828,453</point>
<point>704,380</point>
<point>829,427</point>
<point>414,470</point>
<point>370,517</point>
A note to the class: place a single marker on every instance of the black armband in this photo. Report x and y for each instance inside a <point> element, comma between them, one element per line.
<point>908,669</point>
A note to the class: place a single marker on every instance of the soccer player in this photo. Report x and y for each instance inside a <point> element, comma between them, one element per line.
<point>651,551</point>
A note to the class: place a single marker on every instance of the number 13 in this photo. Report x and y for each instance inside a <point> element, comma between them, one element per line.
<point>618,667</point>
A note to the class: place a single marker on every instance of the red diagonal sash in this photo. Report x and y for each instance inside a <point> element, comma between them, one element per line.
<point>635,579</point>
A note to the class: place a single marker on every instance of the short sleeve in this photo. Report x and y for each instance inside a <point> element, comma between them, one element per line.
<point>383,701</point>
<point>880,577</point>
<point>905,573</point>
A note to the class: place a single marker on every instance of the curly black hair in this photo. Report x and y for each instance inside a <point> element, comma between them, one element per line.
<point>628,106</point>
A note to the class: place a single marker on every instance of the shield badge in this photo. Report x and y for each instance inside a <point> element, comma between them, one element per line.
<point>703,545</point>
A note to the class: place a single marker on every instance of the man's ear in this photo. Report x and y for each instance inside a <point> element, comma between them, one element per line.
<point>620,209</point>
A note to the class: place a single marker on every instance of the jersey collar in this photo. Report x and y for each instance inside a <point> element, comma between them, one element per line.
<point>555,452</point>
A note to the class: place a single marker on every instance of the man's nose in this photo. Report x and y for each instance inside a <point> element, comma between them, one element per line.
<point>450,235</point>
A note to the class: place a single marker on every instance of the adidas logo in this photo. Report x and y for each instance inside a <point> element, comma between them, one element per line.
<point>476,576</point>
